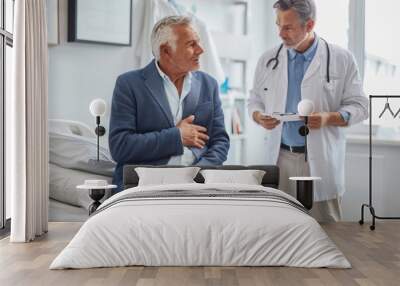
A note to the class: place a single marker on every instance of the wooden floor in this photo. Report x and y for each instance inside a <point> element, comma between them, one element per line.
<point>375,257</point>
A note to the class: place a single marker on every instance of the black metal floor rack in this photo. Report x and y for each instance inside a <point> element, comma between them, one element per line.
<point>370,205</point>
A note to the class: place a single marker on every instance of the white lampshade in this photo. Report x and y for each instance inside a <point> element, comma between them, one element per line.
<point>305,107</point>
<point>97,107</point>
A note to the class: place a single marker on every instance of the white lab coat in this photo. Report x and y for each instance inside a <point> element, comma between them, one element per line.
<point>326,146</point>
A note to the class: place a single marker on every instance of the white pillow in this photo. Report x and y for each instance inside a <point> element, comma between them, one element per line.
<point>248,177</point>
<point>69,127</point>
<point>164,176</point>
<point>63,182</point>
<point>79,153</point>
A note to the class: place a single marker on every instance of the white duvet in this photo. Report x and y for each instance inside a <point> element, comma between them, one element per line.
<point>183,231</point>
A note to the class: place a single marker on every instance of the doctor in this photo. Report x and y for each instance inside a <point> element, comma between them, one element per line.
<point>304,66</point>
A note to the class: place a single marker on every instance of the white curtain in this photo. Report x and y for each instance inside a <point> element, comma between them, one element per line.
<point>26,119</point>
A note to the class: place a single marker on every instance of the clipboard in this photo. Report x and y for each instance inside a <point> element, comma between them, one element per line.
<point>286,117</point>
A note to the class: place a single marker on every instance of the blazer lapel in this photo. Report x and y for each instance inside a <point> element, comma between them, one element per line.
<point>154,83</point>
<point>191,100</point>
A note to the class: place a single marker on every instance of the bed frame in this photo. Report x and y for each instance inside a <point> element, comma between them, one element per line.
<point>270,179</point>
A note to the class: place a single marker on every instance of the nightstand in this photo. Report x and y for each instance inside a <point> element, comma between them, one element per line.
<point>97,190</point>
<point>305,190</point>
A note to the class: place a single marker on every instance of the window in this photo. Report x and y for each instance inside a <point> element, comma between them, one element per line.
<point>7,80</point>
<point>9,15</point>
<point>336,12</point>
<point>376,51</point>
<point>382,57</point>
<point>2,125</point>
<point>6,43</point>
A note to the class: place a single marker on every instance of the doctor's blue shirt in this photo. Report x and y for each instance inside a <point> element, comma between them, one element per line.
<point>298,64</point>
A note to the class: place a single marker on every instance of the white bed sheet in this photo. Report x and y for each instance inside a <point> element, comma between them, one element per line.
<point>79,153</point>
<point>193,231</point>
<point>61,212</point>
<point>63,182</point>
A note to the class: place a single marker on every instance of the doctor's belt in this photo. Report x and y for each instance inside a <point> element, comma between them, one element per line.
<point>294,149</point>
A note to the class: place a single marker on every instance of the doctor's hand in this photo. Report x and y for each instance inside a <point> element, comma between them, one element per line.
<point>318,120</point>
<point>192,135</point>
<point>265,121</point>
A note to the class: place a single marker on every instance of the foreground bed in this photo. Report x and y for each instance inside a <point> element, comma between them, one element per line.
<point>201,224</point>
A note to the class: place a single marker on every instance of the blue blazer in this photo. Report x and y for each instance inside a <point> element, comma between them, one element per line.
<point>142,129</point>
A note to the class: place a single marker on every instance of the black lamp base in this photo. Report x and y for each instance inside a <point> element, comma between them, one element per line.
<point>100,131</point>
<point>303,131</point>
<point>96,195</point>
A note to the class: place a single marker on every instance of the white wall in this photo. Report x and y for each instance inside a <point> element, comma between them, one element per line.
<point>385,178</point>
<point>80,72</point>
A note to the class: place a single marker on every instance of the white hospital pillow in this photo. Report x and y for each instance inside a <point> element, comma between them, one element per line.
<point>248,177</point>
<point>164,176</point>
<point>80,153</point>
<point>69,127</point>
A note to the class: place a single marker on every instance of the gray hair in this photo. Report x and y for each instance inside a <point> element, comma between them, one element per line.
<point>163,33</point>
<point>305,8</point>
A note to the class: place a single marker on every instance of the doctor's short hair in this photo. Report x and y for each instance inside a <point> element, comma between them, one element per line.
<point>305,8</point>
<point>163,33</point>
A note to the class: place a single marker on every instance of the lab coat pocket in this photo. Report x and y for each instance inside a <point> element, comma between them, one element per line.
<point>331,86</point>
<point>334,83</point>
<point>333,90</point>
<point>268,101</point>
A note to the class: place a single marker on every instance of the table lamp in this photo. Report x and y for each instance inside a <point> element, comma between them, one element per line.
<point>305,108</point>
<point>98,108</point>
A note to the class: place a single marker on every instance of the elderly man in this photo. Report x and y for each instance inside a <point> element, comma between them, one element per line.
<point>305,66</point>
<point>167,112</point>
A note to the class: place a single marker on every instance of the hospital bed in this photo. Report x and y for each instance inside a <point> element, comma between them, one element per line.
<point>72,160</point>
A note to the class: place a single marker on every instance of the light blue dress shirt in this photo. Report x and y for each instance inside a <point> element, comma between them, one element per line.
<point>298,64</point>
<point>175,102</point>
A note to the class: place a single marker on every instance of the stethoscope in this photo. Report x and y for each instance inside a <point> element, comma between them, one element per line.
<point>276,60</point>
